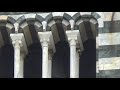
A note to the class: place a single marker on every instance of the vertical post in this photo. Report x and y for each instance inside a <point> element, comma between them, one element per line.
<point>77,62</point>
<point>22,65</point>
<point>74,42</point>
<point>17,44</point>
<point>73,62</point>
<point>50,65</point>
<point>47,42</point>
<point>44,59</point>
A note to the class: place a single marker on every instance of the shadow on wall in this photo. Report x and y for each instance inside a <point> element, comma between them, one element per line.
<point>7,62</point>
<point>88,60</point>
<point>61,61</point>
<point>33,62</point>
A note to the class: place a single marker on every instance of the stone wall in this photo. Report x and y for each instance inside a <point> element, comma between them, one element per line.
<point>109,47</point>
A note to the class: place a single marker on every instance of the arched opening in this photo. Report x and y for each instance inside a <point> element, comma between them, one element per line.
<point>6,49</point>
<point>88,27</point>
<point>60,61</point>
<point>33,60</point>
